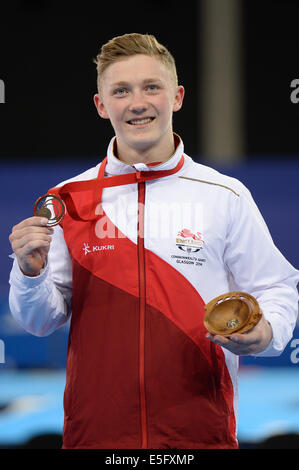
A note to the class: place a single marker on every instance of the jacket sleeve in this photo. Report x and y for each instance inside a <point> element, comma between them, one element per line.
<point>259,268</point>
<point>42,304</point>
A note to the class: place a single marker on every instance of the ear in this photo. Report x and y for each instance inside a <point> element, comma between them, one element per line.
<point>100,106</point>
<point>178,99</point>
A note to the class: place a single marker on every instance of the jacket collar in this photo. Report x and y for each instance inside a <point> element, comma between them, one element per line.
<point>116,167</point>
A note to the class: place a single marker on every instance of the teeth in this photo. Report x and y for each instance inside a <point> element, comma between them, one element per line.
<point>141,121</point>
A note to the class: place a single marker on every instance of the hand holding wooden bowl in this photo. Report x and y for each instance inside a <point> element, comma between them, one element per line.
<point>233,312</point>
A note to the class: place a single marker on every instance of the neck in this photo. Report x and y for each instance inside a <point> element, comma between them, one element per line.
<point>160,152</point>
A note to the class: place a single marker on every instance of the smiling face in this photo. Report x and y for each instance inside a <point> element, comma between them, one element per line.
<point>139,96</point>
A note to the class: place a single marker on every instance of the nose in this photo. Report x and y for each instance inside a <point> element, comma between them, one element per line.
<point>138,104</point>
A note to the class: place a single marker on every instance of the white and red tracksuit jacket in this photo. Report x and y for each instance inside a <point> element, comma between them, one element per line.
<point>134,263</point>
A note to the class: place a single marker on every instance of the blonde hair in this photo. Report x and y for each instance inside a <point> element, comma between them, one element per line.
<point>131,44</point>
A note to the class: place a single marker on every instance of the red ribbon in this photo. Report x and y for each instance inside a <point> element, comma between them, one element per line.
<point>97,185</point>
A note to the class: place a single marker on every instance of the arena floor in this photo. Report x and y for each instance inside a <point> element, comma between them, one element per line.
<point>31,404</point>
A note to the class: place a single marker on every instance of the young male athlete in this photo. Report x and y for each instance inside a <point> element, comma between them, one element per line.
<point>149,237</point>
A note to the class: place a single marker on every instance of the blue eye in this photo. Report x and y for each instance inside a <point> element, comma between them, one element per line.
<point>119,92</point>
<point>152,87</point>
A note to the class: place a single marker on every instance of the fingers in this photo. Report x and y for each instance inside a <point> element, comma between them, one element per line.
<point>30,241</point>
<point>251,342</point>
<point>239,344</point>
<point>31,222</point>
<point>23,233</point>
<point>30,234</point>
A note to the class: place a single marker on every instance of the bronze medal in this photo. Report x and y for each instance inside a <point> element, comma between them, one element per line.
<point>51,207</point>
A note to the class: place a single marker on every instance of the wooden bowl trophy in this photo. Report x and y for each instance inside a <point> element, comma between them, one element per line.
<point>233,312</point>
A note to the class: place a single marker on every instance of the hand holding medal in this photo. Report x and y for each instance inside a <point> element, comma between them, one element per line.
<point>31,238</point>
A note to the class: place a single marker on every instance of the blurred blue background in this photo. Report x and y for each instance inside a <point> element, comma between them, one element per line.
<point>237,117</point>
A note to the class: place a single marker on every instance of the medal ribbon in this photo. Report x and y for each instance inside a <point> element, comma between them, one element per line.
<point>97,186</point>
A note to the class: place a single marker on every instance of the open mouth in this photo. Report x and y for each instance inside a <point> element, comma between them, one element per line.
<point>140,122</point>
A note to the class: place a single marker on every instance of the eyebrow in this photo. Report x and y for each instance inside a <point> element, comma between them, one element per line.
<point>144,82</point>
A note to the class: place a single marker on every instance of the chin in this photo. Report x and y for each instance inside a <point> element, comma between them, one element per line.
<point>142,142</point>
<point>143,145</point>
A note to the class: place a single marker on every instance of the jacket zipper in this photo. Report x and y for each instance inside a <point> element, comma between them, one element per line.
<point>142,304</point>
